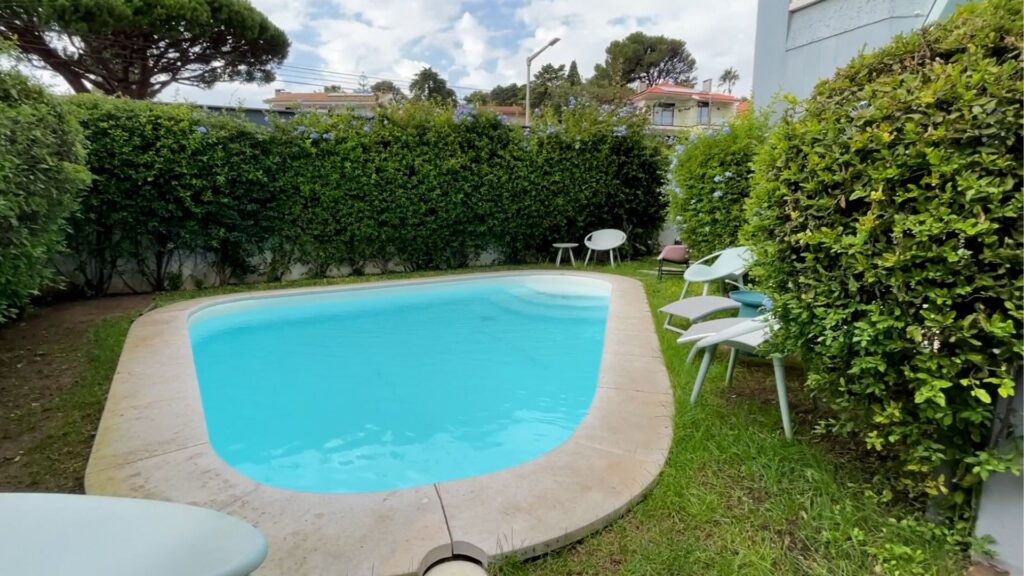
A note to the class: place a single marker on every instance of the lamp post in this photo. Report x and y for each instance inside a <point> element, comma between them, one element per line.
<point>529,60</point>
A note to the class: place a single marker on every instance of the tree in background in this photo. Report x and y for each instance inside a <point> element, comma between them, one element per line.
<point>428,85</point>
<point>389,88</point>
<point>547,83</point>
<point>728,78</point>
<point>509,95</point>
<point>478,98</point>
<point>649,59</point>
<point>573,77</point>
<point>604,87</point>
<point>137,49</point>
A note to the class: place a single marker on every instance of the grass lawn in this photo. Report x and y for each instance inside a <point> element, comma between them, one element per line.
<point>734,498</point>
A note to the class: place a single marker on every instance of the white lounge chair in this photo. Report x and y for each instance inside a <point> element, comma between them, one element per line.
<point>695,308</point>
<point>75,534</point>
<point>607,240</point>
<point>747,336</point>
<point>730,265</point>
<point>701,330</point>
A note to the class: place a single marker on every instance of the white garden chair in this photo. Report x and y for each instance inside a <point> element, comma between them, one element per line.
<point>607,240</point>
<point>730,265</point>
<point>747,336</point>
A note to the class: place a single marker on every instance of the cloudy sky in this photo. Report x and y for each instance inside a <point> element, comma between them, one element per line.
<point>480,43</point>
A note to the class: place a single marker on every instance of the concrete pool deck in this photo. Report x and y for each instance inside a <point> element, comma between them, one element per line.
<point>152,443</point>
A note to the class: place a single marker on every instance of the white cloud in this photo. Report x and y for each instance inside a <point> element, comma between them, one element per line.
<point>719,34</point>
<point>406,68</point>
<point>396,38</point>
<point>288,15</point>
<point>470,42</point>
<point>381,37</point>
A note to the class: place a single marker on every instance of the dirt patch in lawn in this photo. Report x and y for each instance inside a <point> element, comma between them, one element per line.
<point>44,364</point>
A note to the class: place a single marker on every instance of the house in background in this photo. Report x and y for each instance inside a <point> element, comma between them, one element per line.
<point>327,101</point>
<point>673,107</point>
<point>801,42</point>
<point>259,116</point>
<point>516,114</point>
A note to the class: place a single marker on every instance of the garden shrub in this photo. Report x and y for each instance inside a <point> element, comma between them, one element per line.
<point>886,221</point>
<point>587,168</point>
<point>416,186</point>
<point>711,181</point>
<point>168,180</point>
<point>408,186</point>
<point>41,175</point>
<point>428,187</point>
<point>139,208</point>
<point>238,196</point>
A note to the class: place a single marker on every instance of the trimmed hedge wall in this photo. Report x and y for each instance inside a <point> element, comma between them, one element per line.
<point>414,187</point>
<point>886,221</point>
<point>169,179</point>
<point>711,181</point>
<point>41,175</point>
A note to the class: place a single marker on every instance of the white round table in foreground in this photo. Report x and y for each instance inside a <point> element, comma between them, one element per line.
<point>68,534</point>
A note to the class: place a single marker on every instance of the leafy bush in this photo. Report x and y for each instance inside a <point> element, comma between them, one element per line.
<point>426,187</point>
<point>41,175</point>
<point>586,168</point>
<point>417,186</point>
<point>886,220</point>
<point>238,195</point>
<point>169,179</point>
<point>408,186</point>
<point>712,173</point>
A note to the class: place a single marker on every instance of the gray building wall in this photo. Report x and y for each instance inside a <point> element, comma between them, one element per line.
<point>799,43</point>
<point>1001,510</point>
<point>802,42</point>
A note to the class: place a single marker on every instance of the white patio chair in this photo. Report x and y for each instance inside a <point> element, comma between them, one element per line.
<point>730,266</point>
<point>748,337</point>
<point>607,240</point>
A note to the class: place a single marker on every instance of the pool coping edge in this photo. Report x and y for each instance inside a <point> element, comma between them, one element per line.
<point>152,443</point>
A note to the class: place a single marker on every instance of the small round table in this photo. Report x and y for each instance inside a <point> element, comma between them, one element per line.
<point>750,302</point>
<point>565,246</point>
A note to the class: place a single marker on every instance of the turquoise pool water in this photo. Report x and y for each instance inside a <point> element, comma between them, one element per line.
<point>381,388</point>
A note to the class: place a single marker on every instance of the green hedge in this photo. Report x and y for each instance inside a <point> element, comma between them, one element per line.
<point>41,175</point>
<point>415,186</point>
<point>711,181</point>
<point>886,220</point>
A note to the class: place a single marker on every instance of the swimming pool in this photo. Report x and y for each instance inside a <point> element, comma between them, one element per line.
<point>393,387</point>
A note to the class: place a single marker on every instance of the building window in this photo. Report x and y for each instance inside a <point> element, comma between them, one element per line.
<point>703,113</point>
<point>664,115</point>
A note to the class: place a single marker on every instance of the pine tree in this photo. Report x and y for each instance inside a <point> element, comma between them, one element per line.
<point>573,77</point>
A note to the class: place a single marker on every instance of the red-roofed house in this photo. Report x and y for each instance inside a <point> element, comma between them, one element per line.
<point>326,101</point>
<point>673,107</point>
<point>516,114</point>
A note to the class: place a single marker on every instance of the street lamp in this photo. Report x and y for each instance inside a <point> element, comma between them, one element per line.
<point>529,60</point>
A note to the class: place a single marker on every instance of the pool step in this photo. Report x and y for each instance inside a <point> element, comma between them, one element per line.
<point>551,305</point>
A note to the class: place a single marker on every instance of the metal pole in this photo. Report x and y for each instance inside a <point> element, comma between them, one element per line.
<point>527,92</point>
<point>529,60</point>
